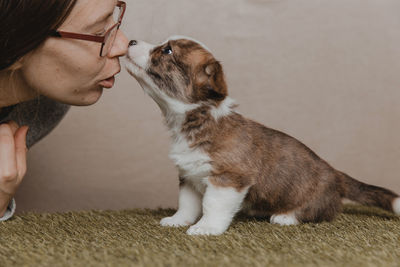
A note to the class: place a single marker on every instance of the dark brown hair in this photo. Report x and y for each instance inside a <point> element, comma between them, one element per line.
<point>25,24</point>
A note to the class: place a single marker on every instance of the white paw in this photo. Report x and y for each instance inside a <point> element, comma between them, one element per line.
<point>284,219</point>
<point>204,230</point>
<point>174,221</point>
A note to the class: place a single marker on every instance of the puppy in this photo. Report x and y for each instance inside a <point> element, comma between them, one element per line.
<point>229,163</point>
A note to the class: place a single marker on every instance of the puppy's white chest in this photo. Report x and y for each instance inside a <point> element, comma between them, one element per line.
<point>193,163</point>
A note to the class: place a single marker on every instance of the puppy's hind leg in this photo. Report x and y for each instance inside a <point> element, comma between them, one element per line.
<point>284,219</point>
<point>220,204</point>
<point>323,208</point>
<point>189,209</point>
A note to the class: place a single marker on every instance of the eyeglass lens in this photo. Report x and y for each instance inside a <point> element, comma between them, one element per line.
<point>110,38</point>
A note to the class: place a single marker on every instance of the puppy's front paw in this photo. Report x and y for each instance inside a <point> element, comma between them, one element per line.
<point>204,230</point>
<point>174,221</point>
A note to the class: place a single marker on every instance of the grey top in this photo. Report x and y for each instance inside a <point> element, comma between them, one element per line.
<point>41,115</point>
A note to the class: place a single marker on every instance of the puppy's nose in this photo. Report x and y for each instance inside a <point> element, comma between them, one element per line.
<point>132,43</point>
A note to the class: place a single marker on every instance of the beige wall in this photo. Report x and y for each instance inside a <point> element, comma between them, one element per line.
<point>326,72</point>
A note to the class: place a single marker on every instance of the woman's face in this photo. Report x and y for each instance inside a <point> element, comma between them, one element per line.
<point>71,71</point>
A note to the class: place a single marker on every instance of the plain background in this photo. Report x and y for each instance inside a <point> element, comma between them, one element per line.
<point>326,72</point>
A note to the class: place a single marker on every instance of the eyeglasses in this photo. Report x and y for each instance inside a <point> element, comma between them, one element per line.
<point>106,40</point>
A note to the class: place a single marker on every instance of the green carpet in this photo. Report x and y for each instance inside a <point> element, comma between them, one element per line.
<point>358,237</point>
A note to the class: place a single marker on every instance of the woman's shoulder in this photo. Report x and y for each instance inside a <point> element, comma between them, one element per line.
<point>41,114</point>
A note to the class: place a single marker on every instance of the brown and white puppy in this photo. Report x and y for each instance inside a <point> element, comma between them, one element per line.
<point>229,163</point>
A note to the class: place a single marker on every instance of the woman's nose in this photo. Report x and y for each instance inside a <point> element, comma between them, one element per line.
<point>120,46</point>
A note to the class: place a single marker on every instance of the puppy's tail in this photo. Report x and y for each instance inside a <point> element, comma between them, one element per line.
<point>369,195</point>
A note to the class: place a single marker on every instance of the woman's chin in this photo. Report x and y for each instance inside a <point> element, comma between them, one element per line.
<point>92,97</point>
<point>85,100</point>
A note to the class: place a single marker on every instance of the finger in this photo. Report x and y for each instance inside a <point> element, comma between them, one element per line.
<point>21,150</point>
<point>7,152</point>
<point>4,202</point>
<point>14,126</point>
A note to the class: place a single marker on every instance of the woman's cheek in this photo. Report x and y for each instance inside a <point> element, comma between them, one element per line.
<point>68,73</point>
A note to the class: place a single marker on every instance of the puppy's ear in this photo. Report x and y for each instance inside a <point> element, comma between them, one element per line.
<point>216,85</point>
<point>210,82</point>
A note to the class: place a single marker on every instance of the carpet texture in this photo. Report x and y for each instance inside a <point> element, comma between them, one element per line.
<point>358,237</point>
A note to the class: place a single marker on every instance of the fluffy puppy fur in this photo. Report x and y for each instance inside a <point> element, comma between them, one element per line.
<point>229,163</point>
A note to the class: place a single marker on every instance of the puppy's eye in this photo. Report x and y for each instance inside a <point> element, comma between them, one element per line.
<point>167,50</point>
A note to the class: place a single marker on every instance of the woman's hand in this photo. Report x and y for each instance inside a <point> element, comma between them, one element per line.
<point>12,161</point>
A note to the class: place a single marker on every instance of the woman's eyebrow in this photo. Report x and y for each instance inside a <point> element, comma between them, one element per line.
<point>98,21</point>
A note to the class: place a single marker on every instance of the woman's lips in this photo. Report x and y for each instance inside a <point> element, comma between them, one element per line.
<point>108,83</point>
